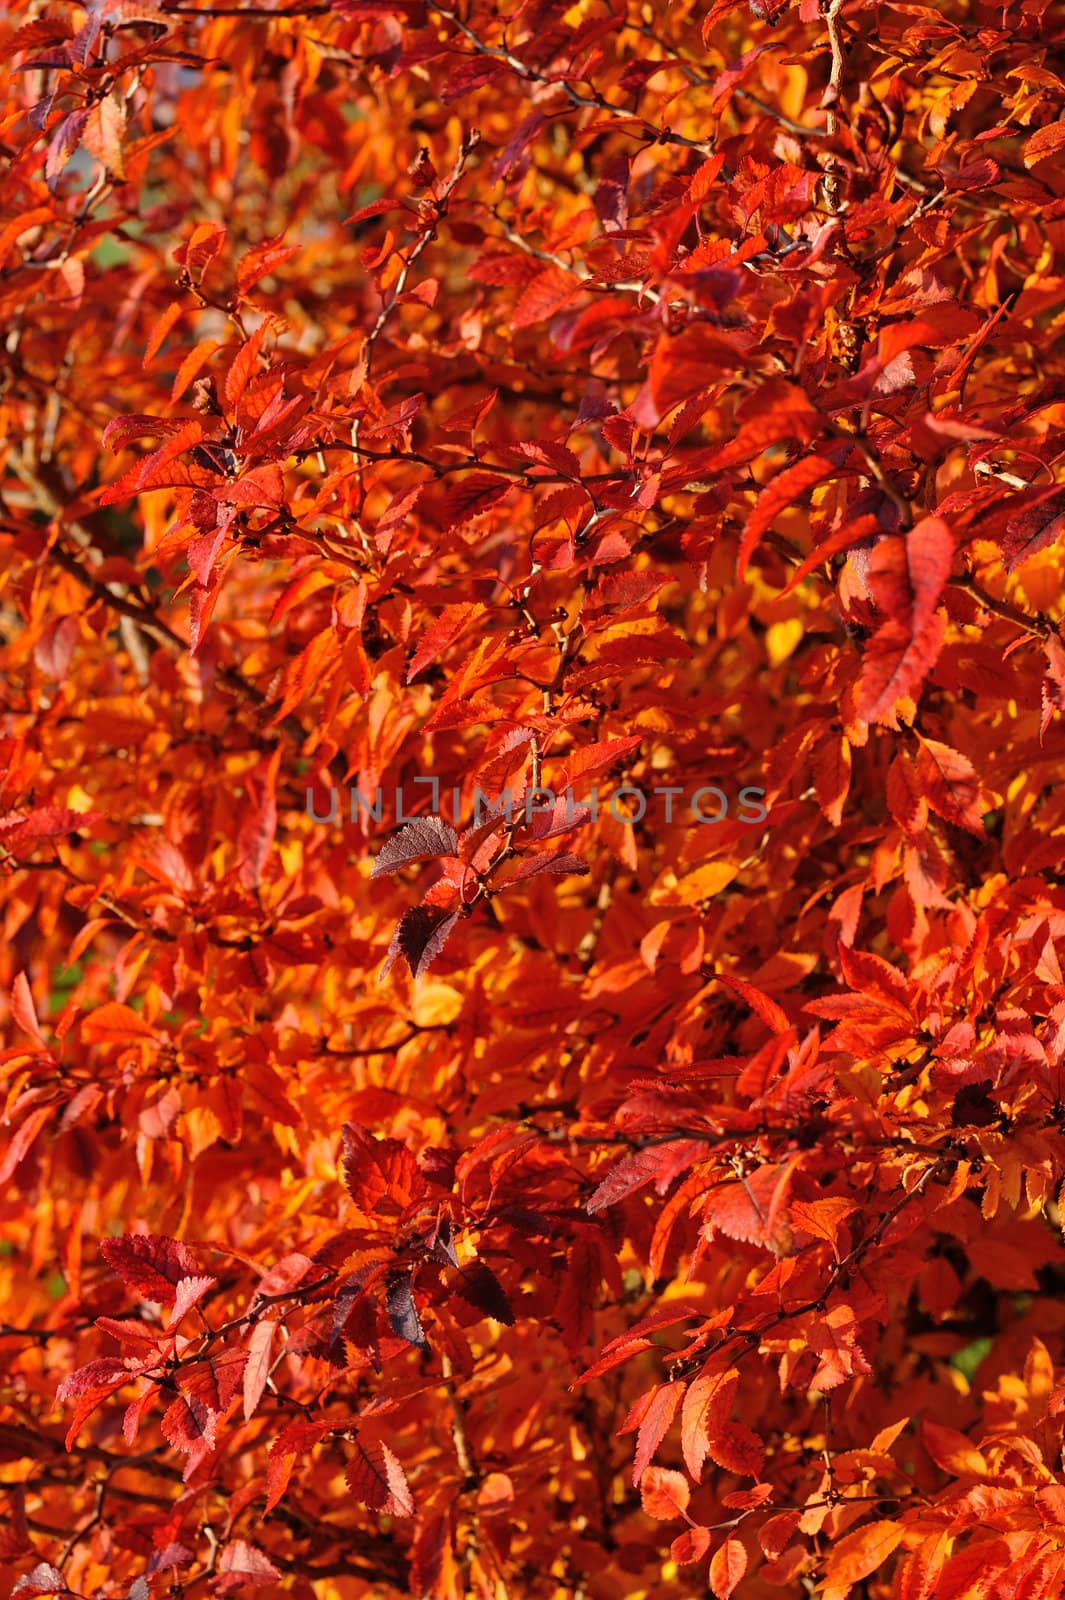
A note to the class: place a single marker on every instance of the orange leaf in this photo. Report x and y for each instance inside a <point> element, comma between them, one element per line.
<point>664,1494</point>
<point>115,1024</point>
<point>706,1407</point>
<point>690,1546</point>
<point>1045,142</point>
<point>727,1567</point>
<point>953,1451</point>
<point>858,1554</point>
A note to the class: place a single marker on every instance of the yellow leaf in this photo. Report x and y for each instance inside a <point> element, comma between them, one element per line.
<point>782,639</point>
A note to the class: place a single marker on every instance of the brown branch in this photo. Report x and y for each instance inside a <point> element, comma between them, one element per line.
<point>657,134</point>
<point>1002,608</point>
<point>830,98</point>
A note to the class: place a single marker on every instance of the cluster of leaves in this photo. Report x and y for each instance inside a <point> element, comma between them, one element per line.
<point>577,1201</point>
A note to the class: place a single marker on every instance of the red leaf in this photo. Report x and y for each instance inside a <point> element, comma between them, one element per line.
<point>243,1565</point>
<point>560,865</point>
<point>284,1274</point>
<point>62,144</point>
<point>189,1292</point>
<point>778,411</point>
<point>775,1534</point>
<point>652,1414</point>
<point>877,979</point>
<point>378,1480</point>
<point>440,634</point>
<point>832,1337</point>
<point>98,1377</point>
<point>589,759</point>
<point>189,1425</point>
<point>663,1162</point>
<point>949,783</point>
<point>150,1264</point>
<point>243,365</point>
<point>160,469</point>
<point>480,1288</point>
<point>258,262</point>
<point>22,1140</point>
<point>258,828</point>
<point>262,486</point>
<point>907,578</point>
<point>298,1438</point>
<point>748,1499</point>
<point>897,660</point>
<point>216,1378</point>
<point>131,1332</point>
<point>19,829</point>
<point>747,1210</point>
<point>104,132</point>
<point>471,497</point>
<point>471,74</point>
<point>919,1573</point>
<point>737,1448</point>
<point>380,1174</point>
<point>204,243</point>
<point>690,1546</point>
<point>832,776</point>
<point>376,208</point>
<point>258,1368</point>
<point>779,493</point>
<point>500,267</point>
<point>760,1003</point>
<point>548,292</point>
<point>55,647</point>
<point>821,1218</point>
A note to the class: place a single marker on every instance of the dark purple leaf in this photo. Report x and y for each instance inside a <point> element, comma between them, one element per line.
<point>440,1245</point>
<point>422,838</point>
<point>174,1555</point>
<point>481,1288</point>
<point>403,1313</point>
<point>420,936</point>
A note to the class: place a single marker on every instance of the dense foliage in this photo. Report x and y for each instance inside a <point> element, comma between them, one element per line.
<point>638,415</point>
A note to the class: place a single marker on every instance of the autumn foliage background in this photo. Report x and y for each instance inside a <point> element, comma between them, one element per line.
<point>607,394</point>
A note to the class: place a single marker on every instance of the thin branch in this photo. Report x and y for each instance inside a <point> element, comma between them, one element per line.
<point>596,102</point>
<point>1002,608</point>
